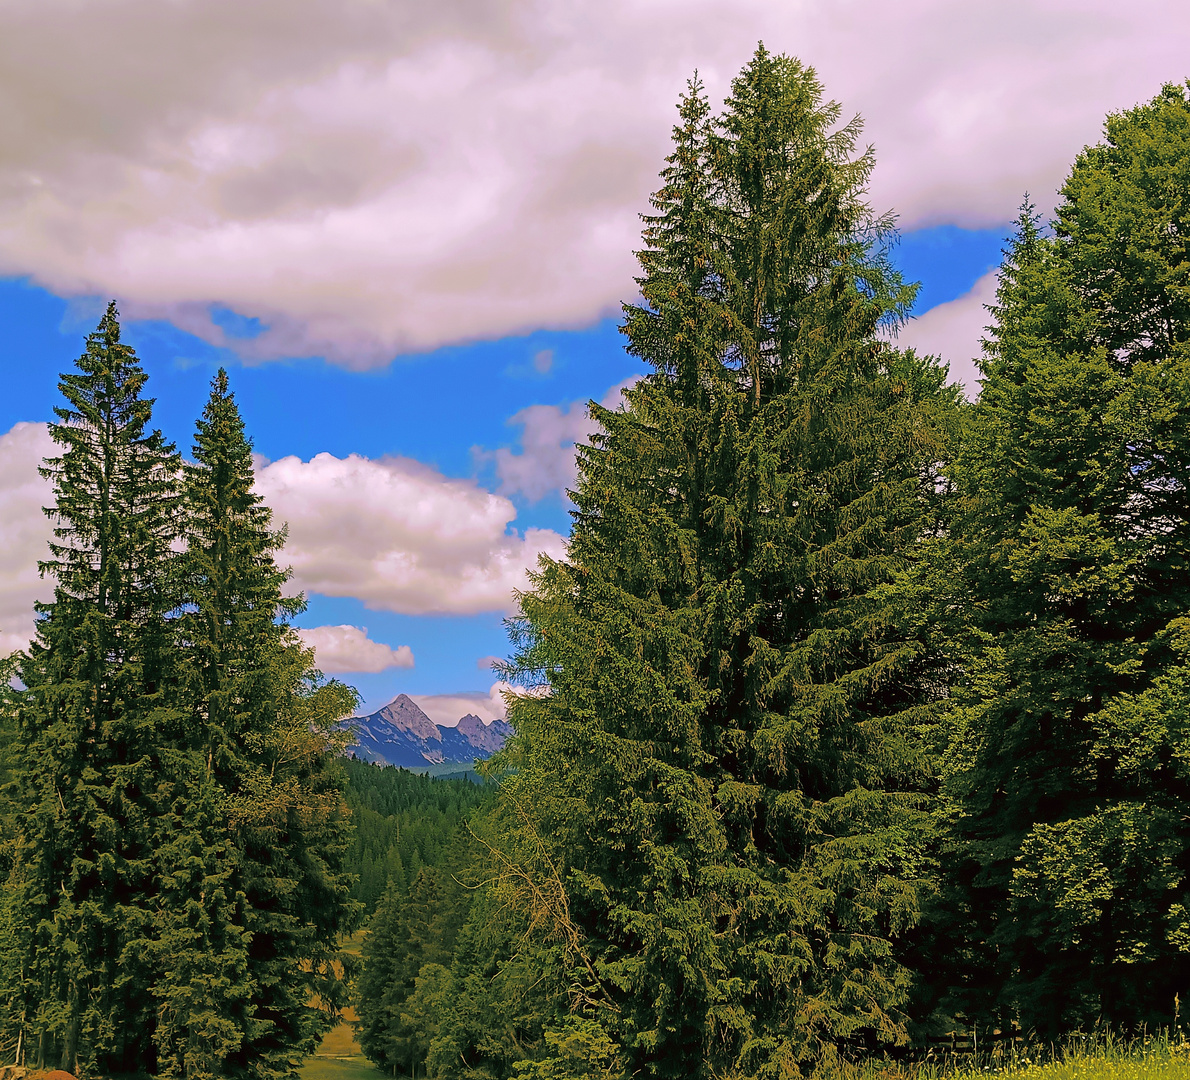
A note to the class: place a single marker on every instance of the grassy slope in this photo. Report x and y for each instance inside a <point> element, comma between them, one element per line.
<point>339,1056</point>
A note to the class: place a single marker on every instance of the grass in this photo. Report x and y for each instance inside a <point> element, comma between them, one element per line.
<point>319,1068</point>
<point>1090,1058</point>
<point>339,1043</point>
<point>1141,1059</point>
<point>339,1056</point>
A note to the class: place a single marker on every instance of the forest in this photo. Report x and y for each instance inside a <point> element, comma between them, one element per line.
<point>856,712</point>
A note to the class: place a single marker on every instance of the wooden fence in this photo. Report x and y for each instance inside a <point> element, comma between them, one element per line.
<point>959,1043</point>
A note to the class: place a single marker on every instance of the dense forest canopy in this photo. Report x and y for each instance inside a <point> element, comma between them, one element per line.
<point>403,821</point>
<point>856,712</point>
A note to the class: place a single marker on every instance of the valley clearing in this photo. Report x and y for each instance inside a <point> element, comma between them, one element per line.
<point>339,1057</point>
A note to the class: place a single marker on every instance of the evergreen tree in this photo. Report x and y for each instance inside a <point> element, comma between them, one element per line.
<point>504,996</point>
<point>95,697</point>
<point>409,934</point>
<point>722,796</point>
<point>253,827</point>
<point>1071,548</point>
<point>406,935</point>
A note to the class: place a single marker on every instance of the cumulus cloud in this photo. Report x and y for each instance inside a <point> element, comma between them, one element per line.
<point>545,463</point>
<point>341,650</point>
<point>953,332</point>
<point>390,532</point>
<point>372,178</point>
<point>400,536</point>
<point>448,709</point>
<point>24,531</point>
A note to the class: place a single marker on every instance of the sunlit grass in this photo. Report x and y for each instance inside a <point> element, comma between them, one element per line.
<point>339,1043</point>
<point>1154,1057</point>
<point>339,1056</point>
<point>1151,1058</point>
<point>319,1068</point>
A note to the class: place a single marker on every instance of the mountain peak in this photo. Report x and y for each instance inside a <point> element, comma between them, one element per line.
<point>401,734</point>
<point>486,737</point>
<point>404,715</point>
<point>470,725</point>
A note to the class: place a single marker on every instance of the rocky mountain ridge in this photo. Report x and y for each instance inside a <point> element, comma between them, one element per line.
<point>401,734</point>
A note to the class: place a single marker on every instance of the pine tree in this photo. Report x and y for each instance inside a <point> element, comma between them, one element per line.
<point>723,795</point>
<point>96,682</point>
<point>1071,551</point>
<point>253,828</point>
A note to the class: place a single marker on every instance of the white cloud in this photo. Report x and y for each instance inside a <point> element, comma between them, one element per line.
<point>448,709</point>
<point>391,532</point>
<point>369,178</point>
<point>24,531</point>
<point>400,536</point>
<point>546,461</point>
<point>953,332</point>
<point>341,650</point>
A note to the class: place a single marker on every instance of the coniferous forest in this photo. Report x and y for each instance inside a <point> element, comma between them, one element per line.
<point>856,712</point>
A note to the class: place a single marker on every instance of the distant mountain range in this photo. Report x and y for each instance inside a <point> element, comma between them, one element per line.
<point>401,734</point>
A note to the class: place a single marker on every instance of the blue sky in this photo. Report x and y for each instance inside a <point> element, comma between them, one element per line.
<point>406,228</point>
<point>438,407</point>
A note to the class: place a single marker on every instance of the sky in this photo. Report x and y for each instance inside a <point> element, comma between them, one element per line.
<point>406,229</point>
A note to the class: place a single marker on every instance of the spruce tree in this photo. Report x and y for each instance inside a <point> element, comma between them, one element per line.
<point>1071,549</point>
<point>96,694</point>
<point>721,803</point>
<point>407,934</point>
<point>253,826</point>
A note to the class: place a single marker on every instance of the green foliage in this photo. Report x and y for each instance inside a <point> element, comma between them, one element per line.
<point>723,798</point>
<point>1070,555</point>
<point>580,1048</point>
<point>402,821</point>
<point>176,827</point>
<point>97,679</point>
<point>408,936</point>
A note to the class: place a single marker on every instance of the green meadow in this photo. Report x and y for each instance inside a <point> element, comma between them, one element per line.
<point>339,1057</point>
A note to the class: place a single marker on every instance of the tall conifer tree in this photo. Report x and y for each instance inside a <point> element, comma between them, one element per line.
<point>1073,547</point>
<point>253,828</point>
<point>95,695</point>
<point>725,781</point>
